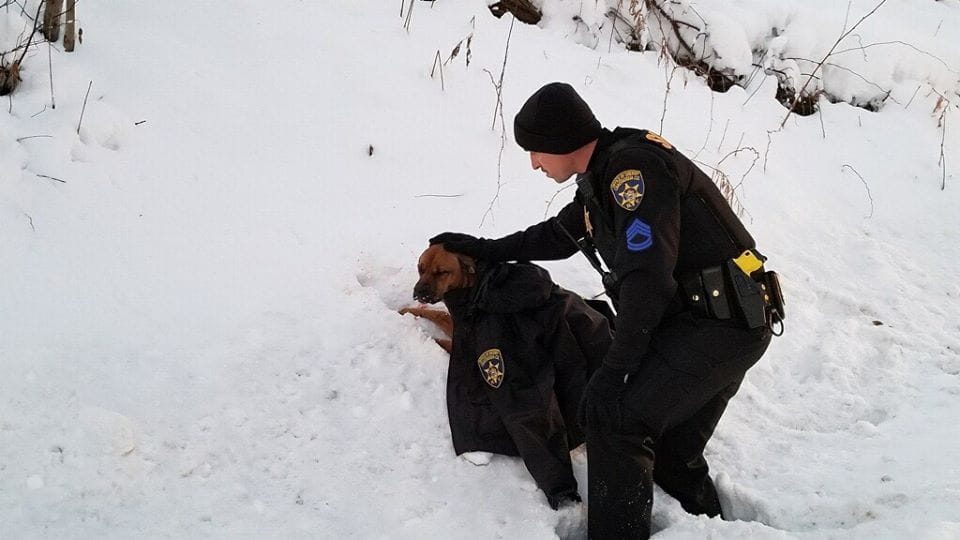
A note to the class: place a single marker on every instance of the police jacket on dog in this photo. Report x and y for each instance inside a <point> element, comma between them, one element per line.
<point>523,349</point>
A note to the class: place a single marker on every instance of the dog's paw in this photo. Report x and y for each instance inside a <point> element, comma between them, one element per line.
<point>479,459</point>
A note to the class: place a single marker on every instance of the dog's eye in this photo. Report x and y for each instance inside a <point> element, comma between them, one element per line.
<point>441,272</point>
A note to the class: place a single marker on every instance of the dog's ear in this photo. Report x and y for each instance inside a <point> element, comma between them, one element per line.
<point>468,265</point>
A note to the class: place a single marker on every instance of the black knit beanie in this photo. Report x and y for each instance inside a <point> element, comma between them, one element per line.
<point>555,120</point>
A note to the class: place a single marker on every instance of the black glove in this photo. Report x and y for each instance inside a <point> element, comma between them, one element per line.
<point>478,248</point>
<point>557,499</point>
<point>602,399</point>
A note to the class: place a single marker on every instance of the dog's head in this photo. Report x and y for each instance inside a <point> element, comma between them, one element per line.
<point>442,271</point>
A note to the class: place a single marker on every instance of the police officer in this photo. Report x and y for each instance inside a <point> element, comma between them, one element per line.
<point>683,274</point>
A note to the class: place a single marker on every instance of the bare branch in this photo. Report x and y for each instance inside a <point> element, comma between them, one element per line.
<point>89,86</point>
<point>905,44</point>
<point>864,182</point>
<point>454,196</point>
<point>830,52</point>
<point>546,211</point>
<point>498,85</point>
<point>51,178</point>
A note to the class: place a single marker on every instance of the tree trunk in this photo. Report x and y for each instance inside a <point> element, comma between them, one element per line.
<point>70,30</point>
<point>51,20</point>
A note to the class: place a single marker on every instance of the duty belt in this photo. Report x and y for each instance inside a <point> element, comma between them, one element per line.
<point>737,289</point>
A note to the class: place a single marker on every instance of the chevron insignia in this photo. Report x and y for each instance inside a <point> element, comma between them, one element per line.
<point>639,236</point>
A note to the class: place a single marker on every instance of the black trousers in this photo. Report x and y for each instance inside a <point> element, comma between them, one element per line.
<point>669,411</point>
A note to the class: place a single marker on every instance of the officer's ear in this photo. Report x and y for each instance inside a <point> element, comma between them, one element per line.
<point>468,265</point>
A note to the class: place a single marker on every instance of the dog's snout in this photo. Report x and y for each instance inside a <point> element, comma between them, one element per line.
<point>423,292</point>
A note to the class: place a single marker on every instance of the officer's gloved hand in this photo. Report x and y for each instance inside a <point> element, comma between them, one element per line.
<point>602,399</point>
<point>559,498</point>
<point>478,248</point>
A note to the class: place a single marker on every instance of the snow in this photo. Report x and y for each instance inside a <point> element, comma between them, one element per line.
<point>199,333</point>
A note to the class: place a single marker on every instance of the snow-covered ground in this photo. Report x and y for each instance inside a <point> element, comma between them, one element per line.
<point>199,338</point>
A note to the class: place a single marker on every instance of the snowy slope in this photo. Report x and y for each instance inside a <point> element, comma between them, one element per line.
<point>199,328</point>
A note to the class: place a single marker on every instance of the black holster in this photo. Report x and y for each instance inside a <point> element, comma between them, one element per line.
<point>725,292</point>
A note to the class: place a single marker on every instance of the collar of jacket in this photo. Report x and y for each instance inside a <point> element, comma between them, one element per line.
<point>501,288</point>
<point>604,141</point>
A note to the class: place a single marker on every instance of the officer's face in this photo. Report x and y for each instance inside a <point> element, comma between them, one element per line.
<point>560,167</point>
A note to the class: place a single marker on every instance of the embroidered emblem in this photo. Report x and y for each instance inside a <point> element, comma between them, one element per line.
<point>627,188</point>
<point>651,136</point>
<point>586,221</point>
<point>491,367</point>
<point>639,236</point>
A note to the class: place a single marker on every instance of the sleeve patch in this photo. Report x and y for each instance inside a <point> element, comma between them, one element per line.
<point>627,188</point>
<point>639,236</point>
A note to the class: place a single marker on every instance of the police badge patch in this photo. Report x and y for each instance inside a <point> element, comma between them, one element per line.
<point>491,367</point>
<point>627,188</point>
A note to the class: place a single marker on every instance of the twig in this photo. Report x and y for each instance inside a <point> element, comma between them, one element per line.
<point>613,25</point>
<point>51,178</point>
<point>53,101</point>
<point>546,210</point>
<point>844,68</point>
<point>30,219</point>
<point>499,85</point>
<point>722,181</point>
<point>905,44</point>
<point>759,86</point>
<point>867,187</point>
<point>503,128</point>
<point>915,92</point>
<point>830,52</point>
<point>724,136</point>
<point>766,153</point>
<point>438,196</point>
<point>35,137</point>
<point>709,129</point>
<point>30,39</point>
<point>846,17</point>
<point>676,27</point>
<point>823,130</point>
<point>438,62</point>
<point>756,157</point>
<point>406,23</point>
<point>943,136</point>
<point>84,106</point>
<point>666,94</point>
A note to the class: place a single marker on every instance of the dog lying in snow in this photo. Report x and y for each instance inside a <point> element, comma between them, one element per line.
<point>521,351</point>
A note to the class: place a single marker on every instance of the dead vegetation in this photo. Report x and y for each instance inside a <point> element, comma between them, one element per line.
<point>49,27</point>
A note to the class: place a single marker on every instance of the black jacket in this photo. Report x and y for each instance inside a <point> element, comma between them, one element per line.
<point>523,349</point>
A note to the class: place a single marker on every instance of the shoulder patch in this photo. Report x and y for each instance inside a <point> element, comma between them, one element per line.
<point>627,188</point>
<point>639,236</point>
<point>491,367</point>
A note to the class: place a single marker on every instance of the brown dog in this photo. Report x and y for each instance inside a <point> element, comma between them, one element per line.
<point>440,271</point>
